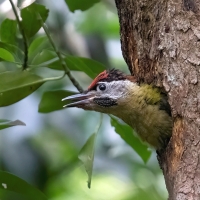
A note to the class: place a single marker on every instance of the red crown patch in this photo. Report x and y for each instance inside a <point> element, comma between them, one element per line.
<point>101,76</point>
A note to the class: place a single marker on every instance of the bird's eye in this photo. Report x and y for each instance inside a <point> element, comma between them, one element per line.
<point>101,87</point>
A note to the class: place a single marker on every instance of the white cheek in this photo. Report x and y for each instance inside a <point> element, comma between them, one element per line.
<point>120,89</point>
<point>118,93</point>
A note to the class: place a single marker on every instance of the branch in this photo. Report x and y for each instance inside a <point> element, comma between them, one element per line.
<point>62,61</point>
<point>23,35</point>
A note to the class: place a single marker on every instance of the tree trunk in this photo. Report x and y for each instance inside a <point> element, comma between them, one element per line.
<point>161,45</point>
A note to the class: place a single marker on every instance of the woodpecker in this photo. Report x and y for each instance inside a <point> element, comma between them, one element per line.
<point>143,107</point>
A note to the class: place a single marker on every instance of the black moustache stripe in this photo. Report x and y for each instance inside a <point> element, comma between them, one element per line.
<point>105,102</point>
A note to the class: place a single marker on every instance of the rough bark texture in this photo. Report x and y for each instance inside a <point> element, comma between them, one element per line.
<point>161,45</point>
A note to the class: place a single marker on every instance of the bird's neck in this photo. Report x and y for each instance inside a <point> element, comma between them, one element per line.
<point>140,110</point>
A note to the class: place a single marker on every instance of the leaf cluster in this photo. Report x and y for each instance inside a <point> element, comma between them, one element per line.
<point>23,52</point>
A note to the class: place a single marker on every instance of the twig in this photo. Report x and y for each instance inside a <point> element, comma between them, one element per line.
<point>62,61</point>
<point>23,35</point>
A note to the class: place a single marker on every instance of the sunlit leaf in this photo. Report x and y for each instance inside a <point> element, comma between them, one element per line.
<point>14,50</point>
<point>14,86</point>
<point>52,100</point>
<point>80,4</point>
<point>12,183</point>
<point>86,154</point>
<point>8,31</point>
<point>91,67</point>
<point>6,55</point>
<point>4,123</point>
<point>126,133</point>
<point>24,3</point>
<point>30,20</point>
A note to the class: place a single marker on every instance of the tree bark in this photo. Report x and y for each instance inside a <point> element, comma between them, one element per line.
<point>161,45</point>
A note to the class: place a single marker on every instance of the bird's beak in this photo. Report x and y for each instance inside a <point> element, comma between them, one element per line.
<point>79,100</point>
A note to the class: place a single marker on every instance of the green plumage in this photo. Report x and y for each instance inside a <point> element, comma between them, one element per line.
<point>142,110</point>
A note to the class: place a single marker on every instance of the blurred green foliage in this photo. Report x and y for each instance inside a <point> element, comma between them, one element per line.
<point>126,133</point>
<point>80,4</point>
<point>11,183</point>
<point>48,158</point>
<point>7,123</point>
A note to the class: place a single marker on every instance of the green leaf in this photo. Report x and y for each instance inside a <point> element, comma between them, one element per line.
<point>45,58</point>
<point>6,55</point>
<point>126,133</point>
<point>86,154</point>
<point>52,100</point>
<point>8,31</point>
<point>80,4</point>
<point>11,183</point>
<point>14,86</point>
<point>30,19</point>
<point>91,67</point>
<point>15,51</point>
<point>37,47</point>
<point>4,123</point>
<point>49,58</point>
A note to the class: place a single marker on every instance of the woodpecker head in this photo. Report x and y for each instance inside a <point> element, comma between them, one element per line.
<point>143,107</point>
<point>108,91</point>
